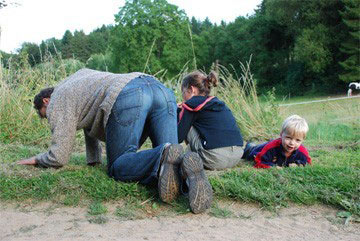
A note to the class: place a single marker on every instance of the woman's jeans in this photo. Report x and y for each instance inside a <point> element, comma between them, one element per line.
<point>144,108</point>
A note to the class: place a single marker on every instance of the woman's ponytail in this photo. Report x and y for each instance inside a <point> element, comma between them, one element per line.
<point>212,78</point>
<point>202,82</point>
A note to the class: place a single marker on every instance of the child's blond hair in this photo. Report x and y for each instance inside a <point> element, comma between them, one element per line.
<point>295,125</point>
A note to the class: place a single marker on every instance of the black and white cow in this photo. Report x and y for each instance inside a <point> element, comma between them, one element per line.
<point>353,87</point>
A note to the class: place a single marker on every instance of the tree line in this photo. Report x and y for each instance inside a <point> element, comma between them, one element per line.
<point>295,46</point>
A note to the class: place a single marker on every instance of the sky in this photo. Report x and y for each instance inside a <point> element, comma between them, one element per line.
<point>37,20</point>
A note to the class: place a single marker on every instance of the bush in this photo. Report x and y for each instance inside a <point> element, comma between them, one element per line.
<point>99,62</point>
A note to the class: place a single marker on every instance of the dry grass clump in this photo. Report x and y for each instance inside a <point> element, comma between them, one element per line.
<point>257,119</point>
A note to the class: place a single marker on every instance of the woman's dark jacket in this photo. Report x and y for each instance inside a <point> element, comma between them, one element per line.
<point>213,121</point>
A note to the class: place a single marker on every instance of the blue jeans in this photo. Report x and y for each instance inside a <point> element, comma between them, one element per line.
<point>144,108</point>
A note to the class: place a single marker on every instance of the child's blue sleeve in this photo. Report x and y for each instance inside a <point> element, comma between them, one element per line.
<point>266,158</point>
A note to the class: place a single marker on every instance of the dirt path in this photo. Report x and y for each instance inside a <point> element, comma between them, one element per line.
<point>248,223</point>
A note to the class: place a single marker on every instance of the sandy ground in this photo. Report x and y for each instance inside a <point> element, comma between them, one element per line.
<point>46,222</point>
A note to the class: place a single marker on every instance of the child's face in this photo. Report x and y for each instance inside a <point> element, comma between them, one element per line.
<point>291,143</point>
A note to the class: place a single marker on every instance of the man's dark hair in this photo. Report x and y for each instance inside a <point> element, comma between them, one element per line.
<point>44,93</point>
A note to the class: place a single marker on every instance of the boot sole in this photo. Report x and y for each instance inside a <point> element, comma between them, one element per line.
<point>200,191</point>
<point>169,179</point>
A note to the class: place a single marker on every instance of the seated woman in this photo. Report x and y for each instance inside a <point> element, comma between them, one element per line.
<point>207,124</point>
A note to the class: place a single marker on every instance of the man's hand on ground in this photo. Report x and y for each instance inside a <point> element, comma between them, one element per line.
<point>30,161</point>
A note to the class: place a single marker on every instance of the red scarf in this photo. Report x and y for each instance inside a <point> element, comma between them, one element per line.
<point>198,108</point>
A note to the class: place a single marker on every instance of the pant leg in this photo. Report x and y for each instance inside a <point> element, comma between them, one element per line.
<point>124,129</point>
<point>254,150</point>
<point>162,120</point>
<point>217,158</point>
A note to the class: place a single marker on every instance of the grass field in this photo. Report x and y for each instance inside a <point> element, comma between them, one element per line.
<point>332,111</point>
<point>333,179</point>
<point>333,141</point>
<point>334,123</point>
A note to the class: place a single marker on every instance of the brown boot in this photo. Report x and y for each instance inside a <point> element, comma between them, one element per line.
<point>169,179</point>
<point>200,191</point>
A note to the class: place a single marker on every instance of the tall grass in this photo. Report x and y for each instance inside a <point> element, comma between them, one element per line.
<point>19,83</point>
<point>257,119</point>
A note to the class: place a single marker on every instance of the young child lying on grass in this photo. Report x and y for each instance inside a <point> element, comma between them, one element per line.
<point>285,151</point>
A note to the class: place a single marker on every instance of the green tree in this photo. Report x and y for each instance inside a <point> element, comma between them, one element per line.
<point>209,43</point>
<point>50,48</point>
<point>206,24</point>
<point>67,50</point>
<point>80,46</point>
<point>311,48</point>
<point>150,35</point>
<point>195,25</point>
<point>301,36</point>
<point>351,48</point>
<point>99,40</point>
<point>204,49</point>
<point>32,50</point>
